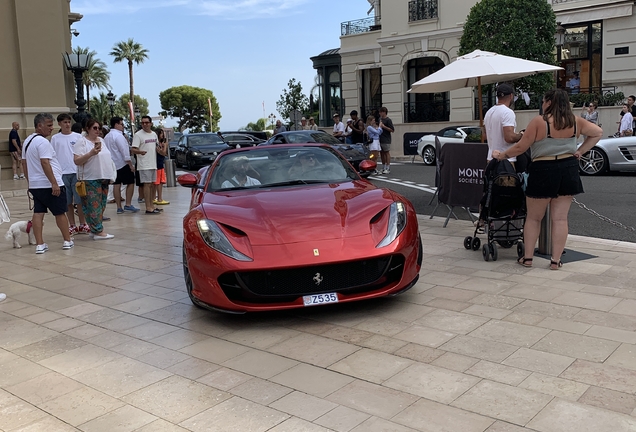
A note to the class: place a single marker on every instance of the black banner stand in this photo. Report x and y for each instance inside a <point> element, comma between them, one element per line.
<point>461,176</point>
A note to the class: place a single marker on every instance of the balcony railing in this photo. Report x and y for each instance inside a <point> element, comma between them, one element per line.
<point>360,26</point>
<point>423,10</point>
<point>432,111</point>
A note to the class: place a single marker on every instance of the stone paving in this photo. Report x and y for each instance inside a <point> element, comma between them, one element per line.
<point>104,338</point>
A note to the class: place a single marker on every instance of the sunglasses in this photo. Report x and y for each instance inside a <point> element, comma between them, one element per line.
<point>307,157</point>
<point>95,128</point>
<point>145,122</point>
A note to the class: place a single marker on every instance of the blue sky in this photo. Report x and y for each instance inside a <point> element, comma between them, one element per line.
<point>245,51</point>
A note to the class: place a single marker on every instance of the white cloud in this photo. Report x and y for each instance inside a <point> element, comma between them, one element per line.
<point>223,9</point>
<point>116,7</point>
<point>248,9</point>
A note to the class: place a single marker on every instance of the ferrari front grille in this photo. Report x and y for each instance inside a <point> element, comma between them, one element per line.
<point>288,284</point>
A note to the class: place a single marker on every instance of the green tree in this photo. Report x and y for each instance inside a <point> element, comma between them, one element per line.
<point>97,76</point>
<point>131,52</point>
<point>121,107</point>
<point>260,125</point>
<point>291,99</point>
<point>518,28</point>
<point>190,106</point>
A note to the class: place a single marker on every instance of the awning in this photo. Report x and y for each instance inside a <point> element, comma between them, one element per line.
<point>594,14</point>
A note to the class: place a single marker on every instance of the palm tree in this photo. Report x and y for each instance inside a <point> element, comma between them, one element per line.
<point>129,51</point>
<point>260,125</point>
<point>96,76</point>
<point>99,108</point>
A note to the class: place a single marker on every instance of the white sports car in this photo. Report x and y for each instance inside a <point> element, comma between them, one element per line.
<point>454,134</point>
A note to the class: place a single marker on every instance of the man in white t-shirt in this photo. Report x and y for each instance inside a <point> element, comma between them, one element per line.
<point>500,122</point>
<point>120,152</point>
<point>63,143</point>
<point>144,147</point>
<point>44,175</point>
<point>338,127</point>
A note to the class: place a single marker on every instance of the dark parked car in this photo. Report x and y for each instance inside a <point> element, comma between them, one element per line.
<point>238,140</point>
<point>198,149</point>
<point>257,134</point>
<point>174,141</point>
<point>354,153</point>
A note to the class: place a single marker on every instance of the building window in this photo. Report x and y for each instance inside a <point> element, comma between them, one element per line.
<point>425,107</point>
<point>371,92</point>
<point>335,99</point>
<point>580,57</point>
<point>422,10</point>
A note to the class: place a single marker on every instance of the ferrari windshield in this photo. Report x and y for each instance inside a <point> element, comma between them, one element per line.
<point>265,167</point>
<point>204,140</point>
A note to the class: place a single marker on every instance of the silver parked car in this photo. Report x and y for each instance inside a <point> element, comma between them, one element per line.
<point>610,154</point>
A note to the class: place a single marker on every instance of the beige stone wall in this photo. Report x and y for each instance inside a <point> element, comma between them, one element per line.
<point>33,36</point>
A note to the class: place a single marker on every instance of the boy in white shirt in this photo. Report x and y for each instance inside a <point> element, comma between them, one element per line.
<point>63,143</point>
<point>144,148</point>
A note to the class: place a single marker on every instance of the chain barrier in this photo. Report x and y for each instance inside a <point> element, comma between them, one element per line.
<point>603,218</point>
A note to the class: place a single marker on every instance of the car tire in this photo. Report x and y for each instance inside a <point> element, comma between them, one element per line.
<point>190,164</point>
<point>188,282</point>
<point>594,162</point>
<point>428,155</point>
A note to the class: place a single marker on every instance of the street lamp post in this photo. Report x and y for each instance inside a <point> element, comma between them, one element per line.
<point>78,64</point>
<point>272,119</point>
<point>110,97</point>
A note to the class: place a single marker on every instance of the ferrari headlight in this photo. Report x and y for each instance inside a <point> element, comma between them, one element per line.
<point>196,153</point>
<point>216,239</point>
<point>397,222</point>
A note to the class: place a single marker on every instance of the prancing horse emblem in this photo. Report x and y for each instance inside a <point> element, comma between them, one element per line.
<point>318,278</point>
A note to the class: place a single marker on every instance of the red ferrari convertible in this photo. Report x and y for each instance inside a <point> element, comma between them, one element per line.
<point>291,226</point>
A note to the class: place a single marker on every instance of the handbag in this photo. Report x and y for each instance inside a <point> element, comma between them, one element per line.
<point>80,186</point>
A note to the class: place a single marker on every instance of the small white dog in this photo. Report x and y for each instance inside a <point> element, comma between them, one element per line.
<point>15,231</point>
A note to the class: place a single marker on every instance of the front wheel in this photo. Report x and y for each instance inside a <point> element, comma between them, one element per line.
<point>188,281</point>
<point>428,155</point>
<point>468,241</point>
<point>190,164</point>
<point>593,162</point>
<point>485,252</point>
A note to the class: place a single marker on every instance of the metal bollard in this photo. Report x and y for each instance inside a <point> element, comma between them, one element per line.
<point>171,168</point>
<point>545,235</point>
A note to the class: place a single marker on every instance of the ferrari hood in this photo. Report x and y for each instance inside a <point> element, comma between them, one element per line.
<point>296,214</point>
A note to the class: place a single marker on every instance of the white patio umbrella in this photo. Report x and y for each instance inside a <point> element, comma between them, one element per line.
<point>477,68</point>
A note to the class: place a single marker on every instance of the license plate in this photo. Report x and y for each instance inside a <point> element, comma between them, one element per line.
<point>318,299</point>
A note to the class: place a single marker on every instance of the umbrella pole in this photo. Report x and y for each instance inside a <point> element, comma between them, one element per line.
<point>481,112</point>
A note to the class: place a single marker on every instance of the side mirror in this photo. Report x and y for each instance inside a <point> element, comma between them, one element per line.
<point>189,180</point>
<point>368,165</point>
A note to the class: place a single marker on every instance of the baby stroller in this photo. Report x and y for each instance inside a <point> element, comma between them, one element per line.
<point>503,211</point>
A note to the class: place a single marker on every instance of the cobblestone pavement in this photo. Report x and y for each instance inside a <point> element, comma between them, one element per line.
<point>103,338</point>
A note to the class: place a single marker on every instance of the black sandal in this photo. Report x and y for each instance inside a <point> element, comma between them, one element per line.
<point>524,261</point>
<point>557,264</point>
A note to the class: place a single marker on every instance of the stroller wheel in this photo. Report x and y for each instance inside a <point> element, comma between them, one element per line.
<point>493,251</point>
<point>520,250</point>
<point>485,252</point>
<point>476,243</point>
<point>506,244</point>
<point>468,241</point>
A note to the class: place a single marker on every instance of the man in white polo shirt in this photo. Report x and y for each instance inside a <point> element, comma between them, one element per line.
<point>144,147</point>
<point>44,175</point>
<point>120,152</point>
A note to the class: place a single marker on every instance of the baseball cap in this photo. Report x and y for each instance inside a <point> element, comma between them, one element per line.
<point>336,115</point>
<point>303,119</point>
<point>349,121</point>
<point>504,90</point>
